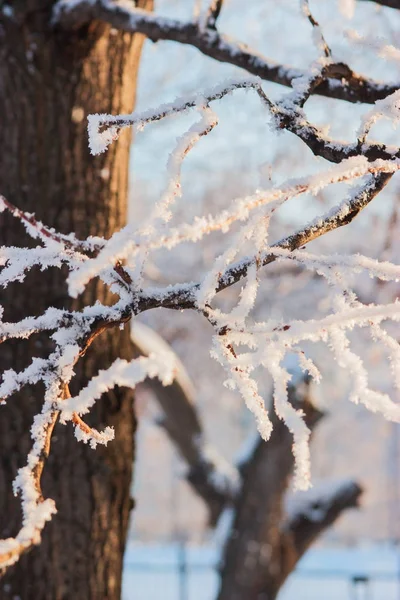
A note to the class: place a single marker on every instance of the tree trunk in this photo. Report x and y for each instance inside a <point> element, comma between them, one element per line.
<point>49,83</point>
<point>258,553</point>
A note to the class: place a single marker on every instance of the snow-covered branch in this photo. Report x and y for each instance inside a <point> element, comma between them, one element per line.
<point>287,114</point>
<point>184,295</point>
<point>103,129</point>
<point>344,84</point>
<point>36,510</point>
<point>242,344</point>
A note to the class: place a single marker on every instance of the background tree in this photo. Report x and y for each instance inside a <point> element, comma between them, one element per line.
<point>61,63</point>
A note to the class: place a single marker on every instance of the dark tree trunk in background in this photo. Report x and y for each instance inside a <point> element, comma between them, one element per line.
<point>259,554</point>
<point>49,83</point>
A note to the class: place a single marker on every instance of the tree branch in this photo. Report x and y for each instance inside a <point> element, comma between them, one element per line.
<point>350,86</point>
<point>213,13</point>
<point>285,115</point>
<point>261,552</point>
<point>208,473</point>
<point>328,148</point>
<point>318,510</point>
<point>32,499</point>
<point>184,295</point>
<point>388,3</point>
<point>317,29</point>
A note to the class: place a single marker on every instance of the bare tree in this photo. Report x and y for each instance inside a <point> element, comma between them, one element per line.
<point>64,340</point>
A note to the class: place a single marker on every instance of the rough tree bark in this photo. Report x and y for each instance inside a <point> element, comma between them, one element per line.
<point>49,82</point>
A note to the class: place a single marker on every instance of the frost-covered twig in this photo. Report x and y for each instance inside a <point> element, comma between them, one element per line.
<point>56,372</point>
<point>128,242</point>
<point>36,511</point>
<point>162,212</point>
<point>37,230</point>
<point>286,117</point>
<point>388,108</point>
<point>318,36</point>
<point>58,249</point>
<point>104,129</point>
<point>241,344</point>
<point>184,295</point>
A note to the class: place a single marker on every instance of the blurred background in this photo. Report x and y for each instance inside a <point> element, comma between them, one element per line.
<point>172,553</point>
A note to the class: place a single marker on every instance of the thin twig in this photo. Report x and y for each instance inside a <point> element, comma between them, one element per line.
<point>317,28</point>
<point>213,13</point>
<point>184,295</point>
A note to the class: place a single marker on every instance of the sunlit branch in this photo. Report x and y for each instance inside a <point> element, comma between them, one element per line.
<point>351,87</point>
<point>32,500</point>
<point>104,129</point>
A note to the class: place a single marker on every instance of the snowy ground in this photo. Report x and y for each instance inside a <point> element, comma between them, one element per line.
<point>175,573</point>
